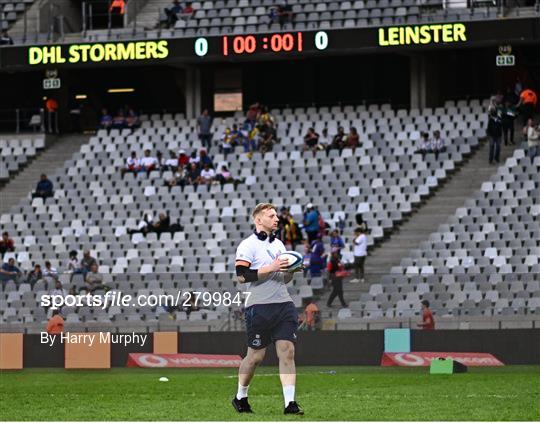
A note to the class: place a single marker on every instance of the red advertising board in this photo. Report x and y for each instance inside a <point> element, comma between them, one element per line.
<point>182,360</point>
<point>418,359</point>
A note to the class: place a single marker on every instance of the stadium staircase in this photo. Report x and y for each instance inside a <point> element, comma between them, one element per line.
<point>423,220</point>
<point>56,152</point>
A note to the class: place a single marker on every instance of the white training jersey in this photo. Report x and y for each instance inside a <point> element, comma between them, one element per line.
<point>259,253</point>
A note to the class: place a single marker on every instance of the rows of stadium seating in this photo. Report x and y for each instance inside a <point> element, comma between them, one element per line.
<point>483,262</point>
<point>16,152</point>
<point>11,10</point>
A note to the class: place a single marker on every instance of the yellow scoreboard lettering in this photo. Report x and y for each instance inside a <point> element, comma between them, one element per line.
<point>422,34</point>
<point>98,53</point>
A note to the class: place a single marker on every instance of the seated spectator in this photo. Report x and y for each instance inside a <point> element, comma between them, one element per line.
<point>87,261</point>
<point>171,163</point>
<point>324,140</point>
<point>336,242</point>
<point>425,144</point>
<point>266,121</point>
<point>58,290</point>
<point>148,163</point>
<point>192,175</point>
<point>94,279</point>
<point>5,39</point>
<point>207,175</point>
<point>237,136</point>
<point>173,12</point>
<point>55,325</point>
<point>338,141</point>
<point>311,140</point>
<point>266,141</point>
<point>353,140</point>
<point>133,164</point>
<point>251,117</point>
<point>49,272</point>
<point>250,143</point>
<point>119,121</point>
<point>160,161</point>
<point>9,271</point>
<point>285,13</point>
<point>437,144</point>
<point>132,119</point>
<point>188,11</point>
<point>74,266</point>
<point>163,224</point>
<point>224,176</point>
<point>533,139</point>
<point>204,158</point>
<point>183,158</point>
<point>34,275</point>
<point>44,188</point>
<point>6,244</point>
<point>273,14</point>
<point>106,120</point>
<point>227,142</point>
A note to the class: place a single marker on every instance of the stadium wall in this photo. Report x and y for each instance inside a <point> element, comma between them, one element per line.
<point>512,346</point>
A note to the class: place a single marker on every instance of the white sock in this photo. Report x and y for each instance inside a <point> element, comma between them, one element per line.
<point>288,394</point>
<point>242,391</point>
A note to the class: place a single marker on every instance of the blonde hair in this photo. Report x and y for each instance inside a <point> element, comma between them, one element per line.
<point>261,207</point>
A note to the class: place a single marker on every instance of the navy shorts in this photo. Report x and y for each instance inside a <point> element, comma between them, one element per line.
<point>266,323</point>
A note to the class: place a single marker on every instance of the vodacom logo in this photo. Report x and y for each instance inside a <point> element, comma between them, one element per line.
<point>149,360</point>
<point>409,359</point>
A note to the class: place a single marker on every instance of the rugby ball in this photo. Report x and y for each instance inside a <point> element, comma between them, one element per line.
<point>294,258</point>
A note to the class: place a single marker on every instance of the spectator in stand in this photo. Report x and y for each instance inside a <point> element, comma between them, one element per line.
<point>35,275</point>
<point>252,115</point>
<point>290,233</point>
<point>5,39</point>
<point>9,271</point>
<point>336,242</point>
<point>324,140</point>
<point>148,163</point>
<point>55,325</point>
<point>227,142</point>
<point>306,263</point>
<point>74,266</point>
<point>172,13</point>
<point>266,141</point>
<point>6,244</point>
<point>87,261</point>
<point>44,188</point>
<point>527,104</point>
<point>207,175</point>
<point>425,144</point>
<point>361,223</point>
<point>311,222</point>
<point>50,273</point>
<point>163,224</point>
<point>188,11</point>
<point>312,316</point>
<point>133,164</point>
<point>119,121</point>
<point>237,136</point>
<point>177,178</point>
<point>533,139</point>
<point>171,163</point>
<point>285,13</point>
<point>192,175</point>
<point>509,114</point>
<point>338,141</point>
<point>132,119</point>
<point>106,120</point>
<point>204,158</point>
<point>353,139</point>
<point>94,279</point>
<point>183,158</point>
<point>428,323</point>
<point>317,260</point>
<point>494,132</point>
<point>311,140</point>
<point>204,125</point>
<point>250,143</point>
<point>437,144</point>
<point>58,290</point>
<point>266,121</point>
<point>336,270</point>
<point>360,253</point>
<point>160,161</point>
<point>224,176</point>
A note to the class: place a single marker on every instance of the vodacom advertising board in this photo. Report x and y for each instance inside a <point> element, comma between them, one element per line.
<point>182,360</point>
<point>416,359</point>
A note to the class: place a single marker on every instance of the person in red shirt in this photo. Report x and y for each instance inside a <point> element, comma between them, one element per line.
<point>6,244</point>
<point>527,104</point>
<point>55,325</point>
<point>427,317</point>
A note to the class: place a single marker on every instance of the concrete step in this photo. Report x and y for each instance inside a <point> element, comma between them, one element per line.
<point>48,161</point>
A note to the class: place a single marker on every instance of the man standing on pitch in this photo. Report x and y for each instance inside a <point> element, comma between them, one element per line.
<point>270,313</point>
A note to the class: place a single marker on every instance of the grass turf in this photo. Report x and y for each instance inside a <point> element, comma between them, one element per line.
<point>352,393</point>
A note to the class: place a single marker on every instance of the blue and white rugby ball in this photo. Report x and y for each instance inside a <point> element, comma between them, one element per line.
<point>294,258</point>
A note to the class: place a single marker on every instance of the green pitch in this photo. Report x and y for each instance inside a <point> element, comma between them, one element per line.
<point>351,393</point>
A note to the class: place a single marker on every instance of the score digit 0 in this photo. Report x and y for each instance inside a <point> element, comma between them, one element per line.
<point>321,40</point>
<point>201,47</point>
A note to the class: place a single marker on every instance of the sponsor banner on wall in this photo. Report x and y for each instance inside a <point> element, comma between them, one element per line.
<point>182,360</point>
<point>424,359</point>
